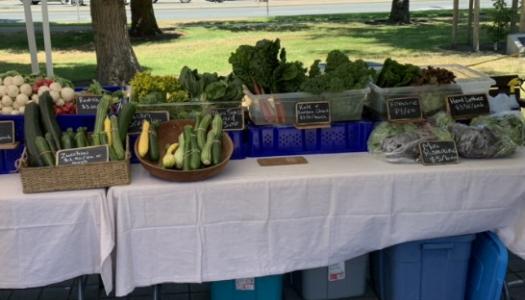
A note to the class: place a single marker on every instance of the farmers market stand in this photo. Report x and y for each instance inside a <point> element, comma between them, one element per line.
<point>253,221</point>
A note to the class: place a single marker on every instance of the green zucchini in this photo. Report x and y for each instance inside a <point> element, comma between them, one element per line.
<point>44,151</point>
<point>198,118</point>
<point>67,142</point>
<point>188,131</point>
<point>154,152</point>
<point>203,128</point>
<point>216,150</point>
<point>112,154</point>
<point>45,102</point>
<point>102,111</point>
<point>80,137</point>
<point>125,117</point>
<point>206,150</point>
<point>95,137</point>
<point>216,125</point>
<point>103,138</point>
<point>195,153</point>
<point>117,142</point>
<point>179,153</point>
<point>31,131</point>
<point>50,142</point>
<point>71,132</point>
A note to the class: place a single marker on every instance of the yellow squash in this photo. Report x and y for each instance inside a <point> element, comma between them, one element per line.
<point>144,139</point>
<point>107,130</point>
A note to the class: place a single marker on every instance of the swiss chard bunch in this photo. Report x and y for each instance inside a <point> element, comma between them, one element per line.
<point>340,74</point>
<point>210,86</point>
<point>263,68</point>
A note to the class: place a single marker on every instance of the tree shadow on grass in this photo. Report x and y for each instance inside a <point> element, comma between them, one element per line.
<point>80,74</point>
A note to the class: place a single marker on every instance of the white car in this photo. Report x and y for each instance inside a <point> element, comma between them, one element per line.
<point>72,2</point>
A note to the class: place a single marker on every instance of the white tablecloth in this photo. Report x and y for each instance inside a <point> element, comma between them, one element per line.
<point>253,221</point>
<point>46,238</point>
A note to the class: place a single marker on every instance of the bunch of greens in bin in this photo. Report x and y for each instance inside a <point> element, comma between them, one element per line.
<point>211,86</point>
<point>395,74</point>
<point>150,89</point>
<point>95,88</point>
<point>339,75</point>
<point>264,68</point>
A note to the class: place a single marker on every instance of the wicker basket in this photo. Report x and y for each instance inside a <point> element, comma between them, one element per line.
<point>74,177</point>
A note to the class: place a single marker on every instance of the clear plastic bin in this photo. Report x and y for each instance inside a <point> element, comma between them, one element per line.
<point>433,97</point>
<point>186,110</point>
<point>272,109</point>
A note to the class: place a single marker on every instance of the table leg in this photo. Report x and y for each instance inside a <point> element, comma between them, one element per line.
<point>80,288</point>
<point>156,292</point>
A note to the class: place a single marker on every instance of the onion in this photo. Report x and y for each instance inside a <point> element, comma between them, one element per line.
<point>21,100</point>
<point>55,95</point>
<point>22,109</point>
<point>26,89</point>
<point>8,81</point>
<point>35,98</point>
<point>60,102</point>
<point>12,91</point>
<point>55,86</point>
<point>18,80</point>
<point>15,112</point>
<point>42,89</point>
<point>3,90</point>
<point>68,94</point>
<point>7,109</point>
<point>7,101</point>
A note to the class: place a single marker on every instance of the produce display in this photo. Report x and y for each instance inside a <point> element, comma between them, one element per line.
<point>197,147</point>
<point>16,91</point>
<point>44,137</point>
<point>512,123</point>
<point>210,86</point>
<point>151,89</point>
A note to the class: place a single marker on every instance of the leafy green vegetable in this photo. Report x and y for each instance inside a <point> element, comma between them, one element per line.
<point>210,86</point>
<point>166,89</point>
<point>511,124</point>
<point>394,74</point>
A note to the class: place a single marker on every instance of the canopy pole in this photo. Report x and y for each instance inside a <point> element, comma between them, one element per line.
<point>47,39</point>
<point>455,20</point>
<point>470,8</point>
<point>31,40</point>
<point>475,31</point>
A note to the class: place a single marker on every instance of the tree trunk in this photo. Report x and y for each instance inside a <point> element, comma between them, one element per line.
<point>522,18</point>
<point>400,12</point>
<point>515,16</point>
<point>143,21</point>
<point>455,21</point>
<point>116,61</point>
<point>470,12</point>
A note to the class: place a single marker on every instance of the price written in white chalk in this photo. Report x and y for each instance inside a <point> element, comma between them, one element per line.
<point>466,106</point>
<point>439,152</point>
<point>87,105</point>
<point>82,156</point>
<point>312,113</point>
<point>400,109</point>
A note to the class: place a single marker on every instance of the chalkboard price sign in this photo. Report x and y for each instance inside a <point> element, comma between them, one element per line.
<point>136,124</point>
<point>312,113</point>
<point>438,152</point>
<point>7,132</point>
<point>87,105</point>
<point>232,118</point>
<point>404,109</point>
<point>463,107</point>
<point>81,156</point>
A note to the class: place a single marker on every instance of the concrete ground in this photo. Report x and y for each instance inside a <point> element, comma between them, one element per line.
<point>93,290</point>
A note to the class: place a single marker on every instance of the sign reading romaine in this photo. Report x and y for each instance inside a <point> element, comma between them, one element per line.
<point>404,109</point>
<point>232,118</point>
<point>312,113</point>
<point>136,123</point>
<point>438,152</point>
<point>468,106</point>
<point>7,132</point>
<point>87,105</point>
<point>81,156</point>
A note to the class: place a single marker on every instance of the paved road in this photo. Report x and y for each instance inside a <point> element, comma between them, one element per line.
<point>12,11</point>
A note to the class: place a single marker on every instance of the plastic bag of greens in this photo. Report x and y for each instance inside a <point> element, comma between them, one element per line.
<point>510,122</point>
<point>482,141</point>
<point>398,143</point>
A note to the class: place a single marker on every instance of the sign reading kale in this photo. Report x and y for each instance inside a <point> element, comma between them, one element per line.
<point>439,152</point>
<point>404,109</point>
<point>136,123</point>
<point>81,156</point>
<point>468,106</point>
<point>312,113</point>
<point>7,132</point>
<point>87,105</point>
<point>232,118</point>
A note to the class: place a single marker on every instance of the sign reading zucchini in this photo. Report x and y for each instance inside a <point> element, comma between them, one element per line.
<point>81,156</point>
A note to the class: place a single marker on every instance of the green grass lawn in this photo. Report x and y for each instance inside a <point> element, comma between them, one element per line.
<point>207,45</point>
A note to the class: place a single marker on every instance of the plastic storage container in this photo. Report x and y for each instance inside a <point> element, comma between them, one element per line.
<point>341,137</point>
<point>488,268</point>
<point>261,288</point>
<point>8,159</point>
<point>314,284</point>
<point>186,110</point>
<point>271,109</point>
<point>423,270</point>
<point>433,97</point>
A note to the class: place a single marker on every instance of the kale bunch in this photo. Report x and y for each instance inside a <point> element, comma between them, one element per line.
<point>210,86</point>
<point>340,74</point>
<point>394,74</point>
<point>263,68</point>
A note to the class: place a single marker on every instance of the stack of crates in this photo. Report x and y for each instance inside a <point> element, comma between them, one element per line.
<point>260,288</point>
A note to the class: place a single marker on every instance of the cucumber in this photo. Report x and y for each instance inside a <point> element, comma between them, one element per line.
<point>188,132</point>
<point>50,142</point>
<point>31,131</point>
<point>195,153</point>
<point>206,150</point>
<point>154,152</point>
<point>45,102</point>
<point>67,142</point>
<point>71,132</point>
<point>216,150</point>
<point>103,138</point>
<point>44,151</point>
<point>117,142</point>
<point>80,137</point>
<point>203,128</point>
<point>102,111</point>
<point>125,117</point>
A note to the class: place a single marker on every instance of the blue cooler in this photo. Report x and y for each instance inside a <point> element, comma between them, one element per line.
<point>423,270</point>
<point>488,268</point>
<point>260,288</point>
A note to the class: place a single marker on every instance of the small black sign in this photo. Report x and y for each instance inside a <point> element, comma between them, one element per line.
<point>463,107</point>
<point>136,124</point>
<point>438,152</point>
<point>312,113</point>
<point>87,105</point>
<point>81,156</point>
<point>7,132</point>
<point>232,118</point>
<point>404,109</point>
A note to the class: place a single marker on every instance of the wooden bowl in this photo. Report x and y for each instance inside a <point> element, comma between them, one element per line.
<point>168,134</point>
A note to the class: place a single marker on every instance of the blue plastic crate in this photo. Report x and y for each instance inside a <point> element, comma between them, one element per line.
<point>340,137</point>
<point>8,159</point>
<point>423,270</point>
<point>109,88</point>
<point>265,288</point>
<point>488,268</point>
